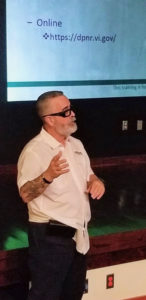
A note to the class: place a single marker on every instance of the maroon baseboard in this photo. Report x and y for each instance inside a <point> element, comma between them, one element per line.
<point>13,266</point>
<point>105,251</point>
<point>113,249</point>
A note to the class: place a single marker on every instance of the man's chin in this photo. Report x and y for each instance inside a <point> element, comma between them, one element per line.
<point>74,128</point>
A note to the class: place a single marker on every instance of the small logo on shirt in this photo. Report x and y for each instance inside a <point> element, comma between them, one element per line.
<point>78,152</point>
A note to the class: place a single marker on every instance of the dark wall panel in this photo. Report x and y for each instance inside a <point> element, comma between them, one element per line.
<point>99,127</point>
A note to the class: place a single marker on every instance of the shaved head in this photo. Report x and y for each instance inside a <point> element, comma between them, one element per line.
<point>43,103</point>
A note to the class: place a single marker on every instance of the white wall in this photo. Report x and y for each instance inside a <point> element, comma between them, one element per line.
<point>129,282</point>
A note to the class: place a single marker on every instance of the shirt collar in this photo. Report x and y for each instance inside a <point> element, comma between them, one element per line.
<point>48,138</point>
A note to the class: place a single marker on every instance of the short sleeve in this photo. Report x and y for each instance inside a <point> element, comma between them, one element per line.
<point>29,167</point>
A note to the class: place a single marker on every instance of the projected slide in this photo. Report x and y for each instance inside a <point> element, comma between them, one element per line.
<point>88,49</point>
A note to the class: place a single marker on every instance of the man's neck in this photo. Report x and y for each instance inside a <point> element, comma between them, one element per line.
<point>61,139</point>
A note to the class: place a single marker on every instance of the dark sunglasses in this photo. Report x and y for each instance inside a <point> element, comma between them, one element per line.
<point>66,113</point>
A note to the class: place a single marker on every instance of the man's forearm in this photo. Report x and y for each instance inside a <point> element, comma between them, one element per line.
<point>33,189</point>
<point>94,177</point>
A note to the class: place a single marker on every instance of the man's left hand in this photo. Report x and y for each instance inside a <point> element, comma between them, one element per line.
<point>95,187</point>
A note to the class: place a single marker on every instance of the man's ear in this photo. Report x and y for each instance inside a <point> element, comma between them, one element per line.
<point>49,121</point>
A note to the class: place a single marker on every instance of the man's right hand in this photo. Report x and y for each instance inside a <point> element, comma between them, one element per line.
<point>34,188</point>
<point>56,168</point>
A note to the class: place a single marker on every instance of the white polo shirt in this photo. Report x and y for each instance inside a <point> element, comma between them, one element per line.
<point>65,199</point>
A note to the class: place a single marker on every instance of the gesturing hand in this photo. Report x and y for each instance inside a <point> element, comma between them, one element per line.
<point>57,167</point>
<point>95,187</point>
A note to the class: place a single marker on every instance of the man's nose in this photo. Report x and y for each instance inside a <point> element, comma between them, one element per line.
<point>72,113</point>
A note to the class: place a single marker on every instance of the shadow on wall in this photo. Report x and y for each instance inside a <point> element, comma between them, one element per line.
<point>123,207</point>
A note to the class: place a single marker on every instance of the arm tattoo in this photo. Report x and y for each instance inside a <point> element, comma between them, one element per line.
<point>32,189</point>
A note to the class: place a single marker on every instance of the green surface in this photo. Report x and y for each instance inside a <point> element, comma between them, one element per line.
<point>103,226</point>
<point>110,225</point>
<point>17,239</point>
